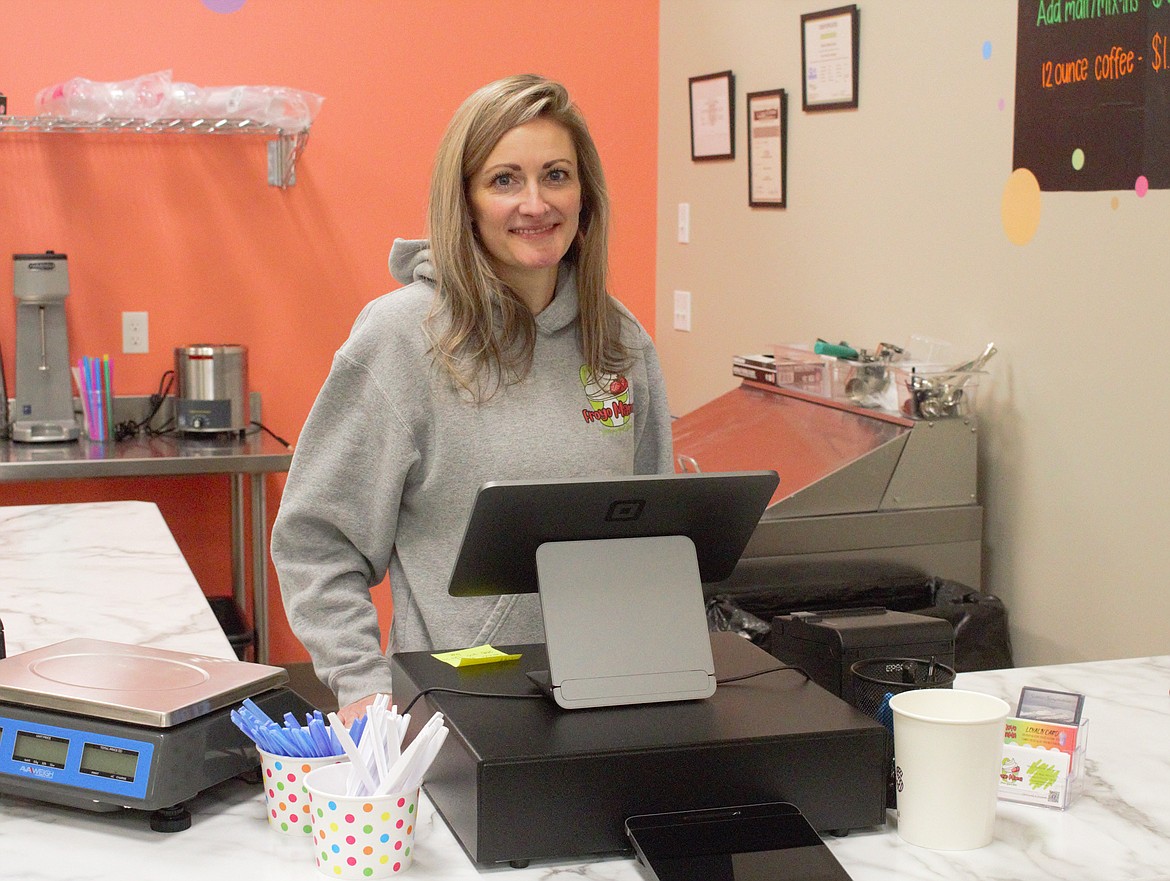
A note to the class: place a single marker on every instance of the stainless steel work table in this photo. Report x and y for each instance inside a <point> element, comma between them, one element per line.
<point>173,455</point>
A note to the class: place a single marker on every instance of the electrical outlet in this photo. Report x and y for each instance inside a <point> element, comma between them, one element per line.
<point>682,310</point>
<point>135,336</point>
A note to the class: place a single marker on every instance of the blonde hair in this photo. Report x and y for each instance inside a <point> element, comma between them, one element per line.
<point>483,333</point>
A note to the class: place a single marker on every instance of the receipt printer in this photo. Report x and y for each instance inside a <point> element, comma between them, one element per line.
<point>826,644</point>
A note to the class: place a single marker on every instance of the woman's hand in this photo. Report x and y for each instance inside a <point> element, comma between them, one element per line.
<point>352,712</point>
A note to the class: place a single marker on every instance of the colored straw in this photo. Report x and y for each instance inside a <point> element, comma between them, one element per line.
<point>107,375</point>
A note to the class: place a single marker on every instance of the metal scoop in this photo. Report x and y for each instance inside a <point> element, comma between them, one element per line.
<point>941,394</point>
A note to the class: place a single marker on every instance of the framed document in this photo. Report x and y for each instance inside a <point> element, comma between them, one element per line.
<point>713,116</point>
<point>767,117</point>
<point>829,56</point>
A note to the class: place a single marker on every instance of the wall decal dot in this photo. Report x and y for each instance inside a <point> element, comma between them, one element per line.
<point>224,6</point>
<point>1020,206</point>
<point>986,49</point>
<point>1078,159</point>
<point>1114,203</point>
<point>1001,103</point>
<point>1141,186</point>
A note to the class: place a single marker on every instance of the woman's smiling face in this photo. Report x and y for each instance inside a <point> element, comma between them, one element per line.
<point>526,203</point>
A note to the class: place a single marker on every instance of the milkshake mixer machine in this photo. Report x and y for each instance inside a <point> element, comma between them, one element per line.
<point>44,388</point>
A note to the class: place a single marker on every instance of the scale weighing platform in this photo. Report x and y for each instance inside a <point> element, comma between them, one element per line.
<point>105,726</point>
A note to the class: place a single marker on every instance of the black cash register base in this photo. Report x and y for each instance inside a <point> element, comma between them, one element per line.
<point>521,780</point>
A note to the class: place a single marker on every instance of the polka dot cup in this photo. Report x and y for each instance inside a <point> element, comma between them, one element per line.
<point>285,796</point>
<point>358,836</point>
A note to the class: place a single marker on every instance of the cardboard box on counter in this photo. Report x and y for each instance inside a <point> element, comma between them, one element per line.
<point>758,368</point>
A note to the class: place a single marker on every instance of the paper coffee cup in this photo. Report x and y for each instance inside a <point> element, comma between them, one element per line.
<point>360,836</point>
<point>285,798</point>
<point>948,747</point>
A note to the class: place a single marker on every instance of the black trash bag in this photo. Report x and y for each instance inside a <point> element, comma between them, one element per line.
<point>725,616</point>
<point>980,620</point>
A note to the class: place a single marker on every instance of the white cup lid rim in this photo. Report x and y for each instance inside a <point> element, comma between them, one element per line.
<point>993,708</point>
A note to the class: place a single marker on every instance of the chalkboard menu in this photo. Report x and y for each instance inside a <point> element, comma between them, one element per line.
<point>1093,93</point>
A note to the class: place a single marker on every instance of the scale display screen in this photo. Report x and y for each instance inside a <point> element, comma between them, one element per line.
<point>40,749</point>
<point>108,761</point>
<point>103,759</point>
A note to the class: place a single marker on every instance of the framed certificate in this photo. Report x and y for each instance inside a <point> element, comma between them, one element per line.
<point>713,116</point>
<point>829,56</point>
<point>767,118</point>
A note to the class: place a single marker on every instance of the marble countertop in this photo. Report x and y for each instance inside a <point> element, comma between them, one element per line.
<point>107,571</point>
<point>103,570</point>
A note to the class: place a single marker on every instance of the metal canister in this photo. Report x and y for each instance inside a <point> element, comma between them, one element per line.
<point>212,388</point>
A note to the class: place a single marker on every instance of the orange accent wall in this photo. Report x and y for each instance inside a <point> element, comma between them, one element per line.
<point>188,230</point>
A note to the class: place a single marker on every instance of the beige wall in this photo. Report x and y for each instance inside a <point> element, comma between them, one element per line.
<point>893,228</point>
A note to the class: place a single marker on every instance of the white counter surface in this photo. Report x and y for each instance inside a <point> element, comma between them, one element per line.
<point>102,570</point>
<point>112,571</point>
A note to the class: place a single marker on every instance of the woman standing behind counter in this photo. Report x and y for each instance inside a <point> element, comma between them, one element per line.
<point>486,366</point>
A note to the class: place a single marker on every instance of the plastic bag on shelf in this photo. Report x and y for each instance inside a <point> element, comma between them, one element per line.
<point>275,105</point>
<point>154,96</point>
<point>89,101</point>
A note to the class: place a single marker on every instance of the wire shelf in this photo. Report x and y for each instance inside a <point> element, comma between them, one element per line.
<point>285,145</point>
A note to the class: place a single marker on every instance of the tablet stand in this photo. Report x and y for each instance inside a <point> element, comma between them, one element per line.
<point>624,622</point>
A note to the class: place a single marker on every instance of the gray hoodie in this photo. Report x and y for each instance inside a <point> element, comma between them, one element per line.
<point>390,458</point>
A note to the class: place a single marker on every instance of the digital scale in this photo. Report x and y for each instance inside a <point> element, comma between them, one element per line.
<point>105,726</point>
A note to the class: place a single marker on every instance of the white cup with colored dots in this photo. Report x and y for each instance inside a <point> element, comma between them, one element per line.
<point>286,799</point>
<point>359,836</point>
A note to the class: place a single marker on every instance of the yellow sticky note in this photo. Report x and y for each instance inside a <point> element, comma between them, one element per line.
<point>480,654</point>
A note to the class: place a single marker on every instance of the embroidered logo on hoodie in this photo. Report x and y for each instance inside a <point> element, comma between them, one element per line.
<point>609,399</point>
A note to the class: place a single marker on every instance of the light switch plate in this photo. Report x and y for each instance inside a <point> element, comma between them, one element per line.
<point>682,310</point>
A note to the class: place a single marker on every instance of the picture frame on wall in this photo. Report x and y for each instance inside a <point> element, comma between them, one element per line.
<point>767,121</point>
<point>713,116</point>
<point>829,55</point>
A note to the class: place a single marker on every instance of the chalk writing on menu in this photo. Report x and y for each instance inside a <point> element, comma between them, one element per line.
<point>1093,93</point>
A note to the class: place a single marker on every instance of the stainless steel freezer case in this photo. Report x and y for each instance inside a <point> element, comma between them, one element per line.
<point>863,490</point>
